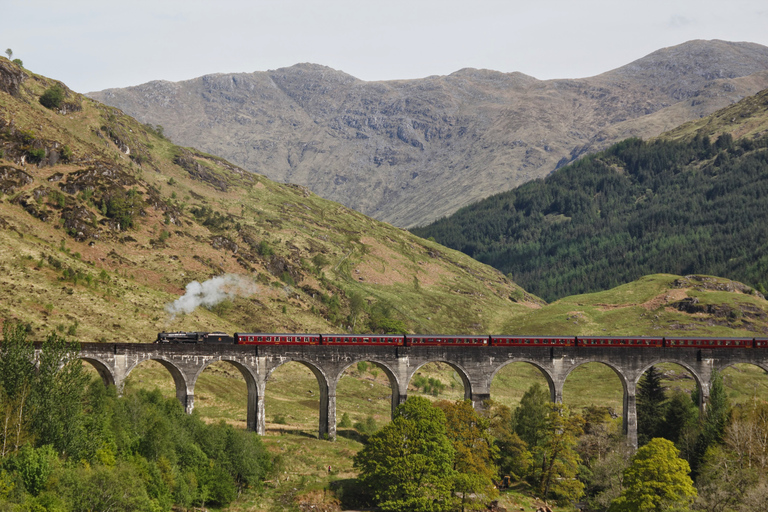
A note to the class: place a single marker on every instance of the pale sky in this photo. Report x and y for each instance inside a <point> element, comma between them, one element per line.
<point>93,45</point>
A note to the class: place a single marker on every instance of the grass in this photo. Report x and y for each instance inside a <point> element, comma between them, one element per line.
<point>647,307</point>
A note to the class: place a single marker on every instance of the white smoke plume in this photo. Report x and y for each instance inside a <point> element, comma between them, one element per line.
<point>211,292</point>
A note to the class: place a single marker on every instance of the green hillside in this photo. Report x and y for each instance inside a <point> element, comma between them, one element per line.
<point>692,204</point>
<point>105,222</point>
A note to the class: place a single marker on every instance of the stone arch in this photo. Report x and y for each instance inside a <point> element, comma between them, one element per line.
<point>626,382</point>
<point>547,375</point>
<point>462,372</point>
<point>327,421</point>
<point>759,382</point>
<point>691,370</point>
<point>629,408</point>
<point>322,378</point>
<point>763,365</point>
<point>183,392</point>
<point>394,382</point>
<point>251,382</point>
<point>103,369</point>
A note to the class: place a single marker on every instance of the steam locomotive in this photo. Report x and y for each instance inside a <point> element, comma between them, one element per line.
<point>416,340</point>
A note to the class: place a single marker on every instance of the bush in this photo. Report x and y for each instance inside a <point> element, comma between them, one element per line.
<point>35,155</point>
<point>52,97</point>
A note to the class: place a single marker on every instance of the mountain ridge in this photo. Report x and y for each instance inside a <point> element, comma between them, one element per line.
<point>411,151</point>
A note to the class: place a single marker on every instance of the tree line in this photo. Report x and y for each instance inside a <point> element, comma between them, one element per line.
<point>71,444</point>
<point>638,208</point>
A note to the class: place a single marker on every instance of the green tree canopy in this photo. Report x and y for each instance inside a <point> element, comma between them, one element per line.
<point>475,451</point>
<point>408,464</point>
<point>657,480</point>
<point>556,460</point>
<point>53,97</point>
<point>529,418</point>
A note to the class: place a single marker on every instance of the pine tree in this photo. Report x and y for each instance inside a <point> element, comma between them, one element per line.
<point>714,421</point>
<point>650,406</point>
<point>529,418</point>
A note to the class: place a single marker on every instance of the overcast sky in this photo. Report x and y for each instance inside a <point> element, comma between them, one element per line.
<point>93,45</point>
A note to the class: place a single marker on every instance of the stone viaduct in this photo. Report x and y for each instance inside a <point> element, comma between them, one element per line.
<point>475,365</point>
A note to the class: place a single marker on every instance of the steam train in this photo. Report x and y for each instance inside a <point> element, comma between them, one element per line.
<point>417,340</point>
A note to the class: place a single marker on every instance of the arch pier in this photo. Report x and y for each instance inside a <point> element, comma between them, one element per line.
<point>475,365</point>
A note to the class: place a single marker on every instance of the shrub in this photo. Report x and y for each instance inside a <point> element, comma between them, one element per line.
<point>52,97</point>
<point>35,155</point>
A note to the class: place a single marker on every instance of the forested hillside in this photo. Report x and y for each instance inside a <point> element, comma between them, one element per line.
<point>679,207</point>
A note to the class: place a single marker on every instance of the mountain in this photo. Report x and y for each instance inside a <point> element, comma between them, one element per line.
<point>692,201</point>
<point>411,151</point>
<point>106,226</point>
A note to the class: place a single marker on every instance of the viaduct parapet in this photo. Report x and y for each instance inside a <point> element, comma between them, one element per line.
<point>475,365</point>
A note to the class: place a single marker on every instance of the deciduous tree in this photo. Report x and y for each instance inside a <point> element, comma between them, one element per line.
<point>557,462</point>
<point>16,379</point>
<point>475,452</point>
<point>514,459</point>
<point>657,480</point>
<point>408,464</point>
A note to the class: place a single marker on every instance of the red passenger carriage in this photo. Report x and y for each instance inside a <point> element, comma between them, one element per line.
<point>610,341</point>
<point>362,339</point>
<point>710,342</point>
<point>417,340</point>
<point>261,338</point>
<point>529,341</point>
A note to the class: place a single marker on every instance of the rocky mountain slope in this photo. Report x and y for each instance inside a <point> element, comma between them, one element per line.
<point>411,151</point>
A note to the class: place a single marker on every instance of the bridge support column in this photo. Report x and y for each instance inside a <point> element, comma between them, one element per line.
<point>327,428</point>
<point>255,419</point>
<point>397,399</point>
<point>629,422</point>
<point>557,392</point>
<point>704,397</point>
<point>478,401</point>
<point>187,400</point>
